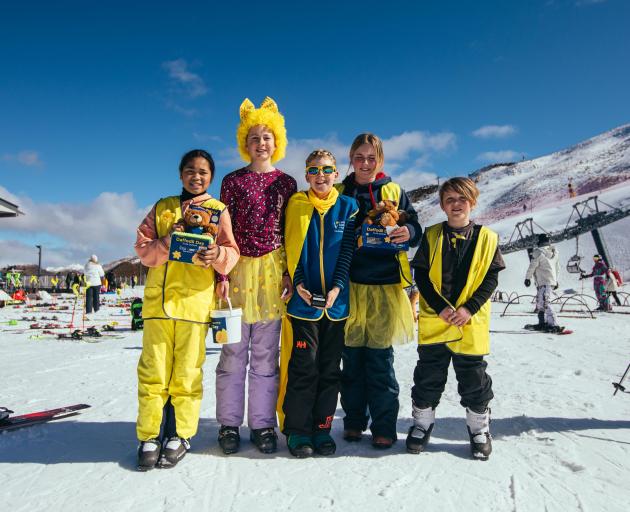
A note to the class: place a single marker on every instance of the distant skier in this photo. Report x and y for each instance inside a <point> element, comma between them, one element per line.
<point>544,269</point>
<point>598,273</point>
<point>613,282</point>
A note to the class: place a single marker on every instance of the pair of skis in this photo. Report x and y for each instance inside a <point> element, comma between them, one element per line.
<point>8,422</point>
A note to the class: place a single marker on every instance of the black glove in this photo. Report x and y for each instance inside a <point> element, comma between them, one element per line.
<point>556,286</point>
<point>527,282</point>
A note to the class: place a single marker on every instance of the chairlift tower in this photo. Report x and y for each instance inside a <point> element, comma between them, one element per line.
<point>585,216</point>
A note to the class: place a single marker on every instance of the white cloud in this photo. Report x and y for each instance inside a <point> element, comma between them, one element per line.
<point>494,131</point>
<point>191,83</point>
<point>105,226</point>
<point>399,147</point>
<point>506,155</point>
<point>28,158</point>
<point>412,179</point>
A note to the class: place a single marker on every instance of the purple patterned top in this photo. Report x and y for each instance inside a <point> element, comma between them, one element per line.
<point>256,202</point>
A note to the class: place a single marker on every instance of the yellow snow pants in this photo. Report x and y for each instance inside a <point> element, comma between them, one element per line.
<point>173,353</point>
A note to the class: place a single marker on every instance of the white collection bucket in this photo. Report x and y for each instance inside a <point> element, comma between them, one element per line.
<point>226,325</point>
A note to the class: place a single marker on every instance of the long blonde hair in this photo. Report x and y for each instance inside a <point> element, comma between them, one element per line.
<point>372,140</point>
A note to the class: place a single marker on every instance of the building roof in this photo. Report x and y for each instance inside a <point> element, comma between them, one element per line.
<point>8,209</point>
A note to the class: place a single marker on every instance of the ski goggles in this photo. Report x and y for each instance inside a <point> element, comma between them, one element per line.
<point>314,170</point>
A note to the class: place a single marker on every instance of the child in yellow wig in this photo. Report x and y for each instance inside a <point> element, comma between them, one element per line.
<point>256,197</point>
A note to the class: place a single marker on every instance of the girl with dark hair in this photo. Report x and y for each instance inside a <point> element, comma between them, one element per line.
<point>178,299</point>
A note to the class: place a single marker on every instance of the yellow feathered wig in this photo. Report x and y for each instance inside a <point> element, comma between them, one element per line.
<point>267,115</point>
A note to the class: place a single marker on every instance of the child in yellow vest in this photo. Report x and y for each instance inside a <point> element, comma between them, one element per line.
<point>456,270</point>
<point>178,299</point>
<point>380,312</point>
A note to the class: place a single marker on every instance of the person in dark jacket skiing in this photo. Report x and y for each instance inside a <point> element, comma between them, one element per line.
<point>380,313</point>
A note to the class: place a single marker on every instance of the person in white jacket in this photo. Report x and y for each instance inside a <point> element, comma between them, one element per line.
<point>612,286</point>
<point>94,275</point>
<point>544,268</point>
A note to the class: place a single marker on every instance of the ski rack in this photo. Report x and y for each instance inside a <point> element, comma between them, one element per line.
<point>564,298</point>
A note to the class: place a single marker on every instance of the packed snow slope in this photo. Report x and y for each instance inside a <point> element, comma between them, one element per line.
<point>561,440</point>
<point>591,166</point>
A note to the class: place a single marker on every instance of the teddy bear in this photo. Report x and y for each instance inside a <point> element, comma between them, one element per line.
<point>201,221</point>
<point>386,214</point>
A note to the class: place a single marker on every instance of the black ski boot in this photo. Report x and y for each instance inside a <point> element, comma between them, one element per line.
<point>300,446</point>
<point>324,444</point>
<point>479,431</point>
<point>148,454</point>
<point>229,439</point>
<point>265,439</point>
<point>173,451</point>
<point>420,431</point>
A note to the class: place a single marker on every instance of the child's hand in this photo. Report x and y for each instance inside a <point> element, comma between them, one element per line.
<point>460,317</point>
<point>400,235</point>
<point>446,314</point>
<point>223,290</point>
<point>304,293</point>
<point>332,296</point>
<point>178,226</point>
<point>288,286</point>
<point>209,256</point>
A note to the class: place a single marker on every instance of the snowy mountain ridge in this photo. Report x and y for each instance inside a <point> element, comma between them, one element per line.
<point>511,189</point>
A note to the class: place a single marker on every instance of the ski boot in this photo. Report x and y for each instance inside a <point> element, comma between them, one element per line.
<point>479,431</point>
<point>420,431</point>
<point>324,444</point>
<point>229,439</point>
<point>148,454</point>
<point>265,439</point>
<point>173,451</point>
<point>352,435</point>
<point>300,446</point>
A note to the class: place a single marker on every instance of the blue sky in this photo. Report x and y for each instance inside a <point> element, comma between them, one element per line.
<point>98,102</point>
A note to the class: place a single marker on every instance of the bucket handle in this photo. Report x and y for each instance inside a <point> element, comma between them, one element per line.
<point>229,303</point>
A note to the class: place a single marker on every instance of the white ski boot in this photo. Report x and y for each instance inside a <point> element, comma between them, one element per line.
<point>420,431</point>
<point>479,432</point>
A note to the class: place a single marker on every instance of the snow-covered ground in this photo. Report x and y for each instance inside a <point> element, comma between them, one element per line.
<point>561,441</point>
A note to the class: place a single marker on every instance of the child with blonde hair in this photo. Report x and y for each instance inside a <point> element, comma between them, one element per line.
<point>256,197</point>
<point>456,270</point>
<point>380,312</point>
<point>319,238</point>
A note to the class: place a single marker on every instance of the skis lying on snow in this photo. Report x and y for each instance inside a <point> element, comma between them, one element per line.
<point>8,422</point>
<point>535,328</point>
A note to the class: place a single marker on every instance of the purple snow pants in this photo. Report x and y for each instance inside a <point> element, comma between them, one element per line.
<point>262,340</point>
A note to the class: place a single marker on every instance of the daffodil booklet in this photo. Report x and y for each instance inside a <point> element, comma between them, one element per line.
<point>184,247</point>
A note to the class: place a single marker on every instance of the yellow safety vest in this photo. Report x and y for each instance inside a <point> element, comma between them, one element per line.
<point>178,291</point>
<point>474,337</point>
<point>392,192</point>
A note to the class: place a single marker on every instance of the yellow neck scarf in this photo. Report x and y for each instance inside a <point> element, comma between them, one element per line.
<point>323,205</point>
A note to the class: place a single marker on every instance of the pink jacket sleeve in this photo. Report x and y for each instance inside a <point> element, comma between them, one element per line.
<point>153,251</point>
<point>229,252</point>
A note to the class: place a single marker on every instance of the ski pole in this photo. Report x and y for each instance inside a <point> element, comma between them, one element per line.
<point>617,385</point>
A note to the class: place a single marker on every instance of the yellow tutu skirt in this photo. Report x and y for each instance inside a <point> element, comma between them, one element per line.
<point>256,286</point>
<point>380,316</point>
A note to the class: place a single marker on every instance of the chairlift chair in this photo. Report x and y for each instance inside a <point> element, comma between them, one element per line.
<point>573,265</point>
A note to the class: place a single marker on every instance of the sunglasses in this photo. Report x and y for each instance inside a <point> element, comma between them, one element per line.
<point>314,170</point>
